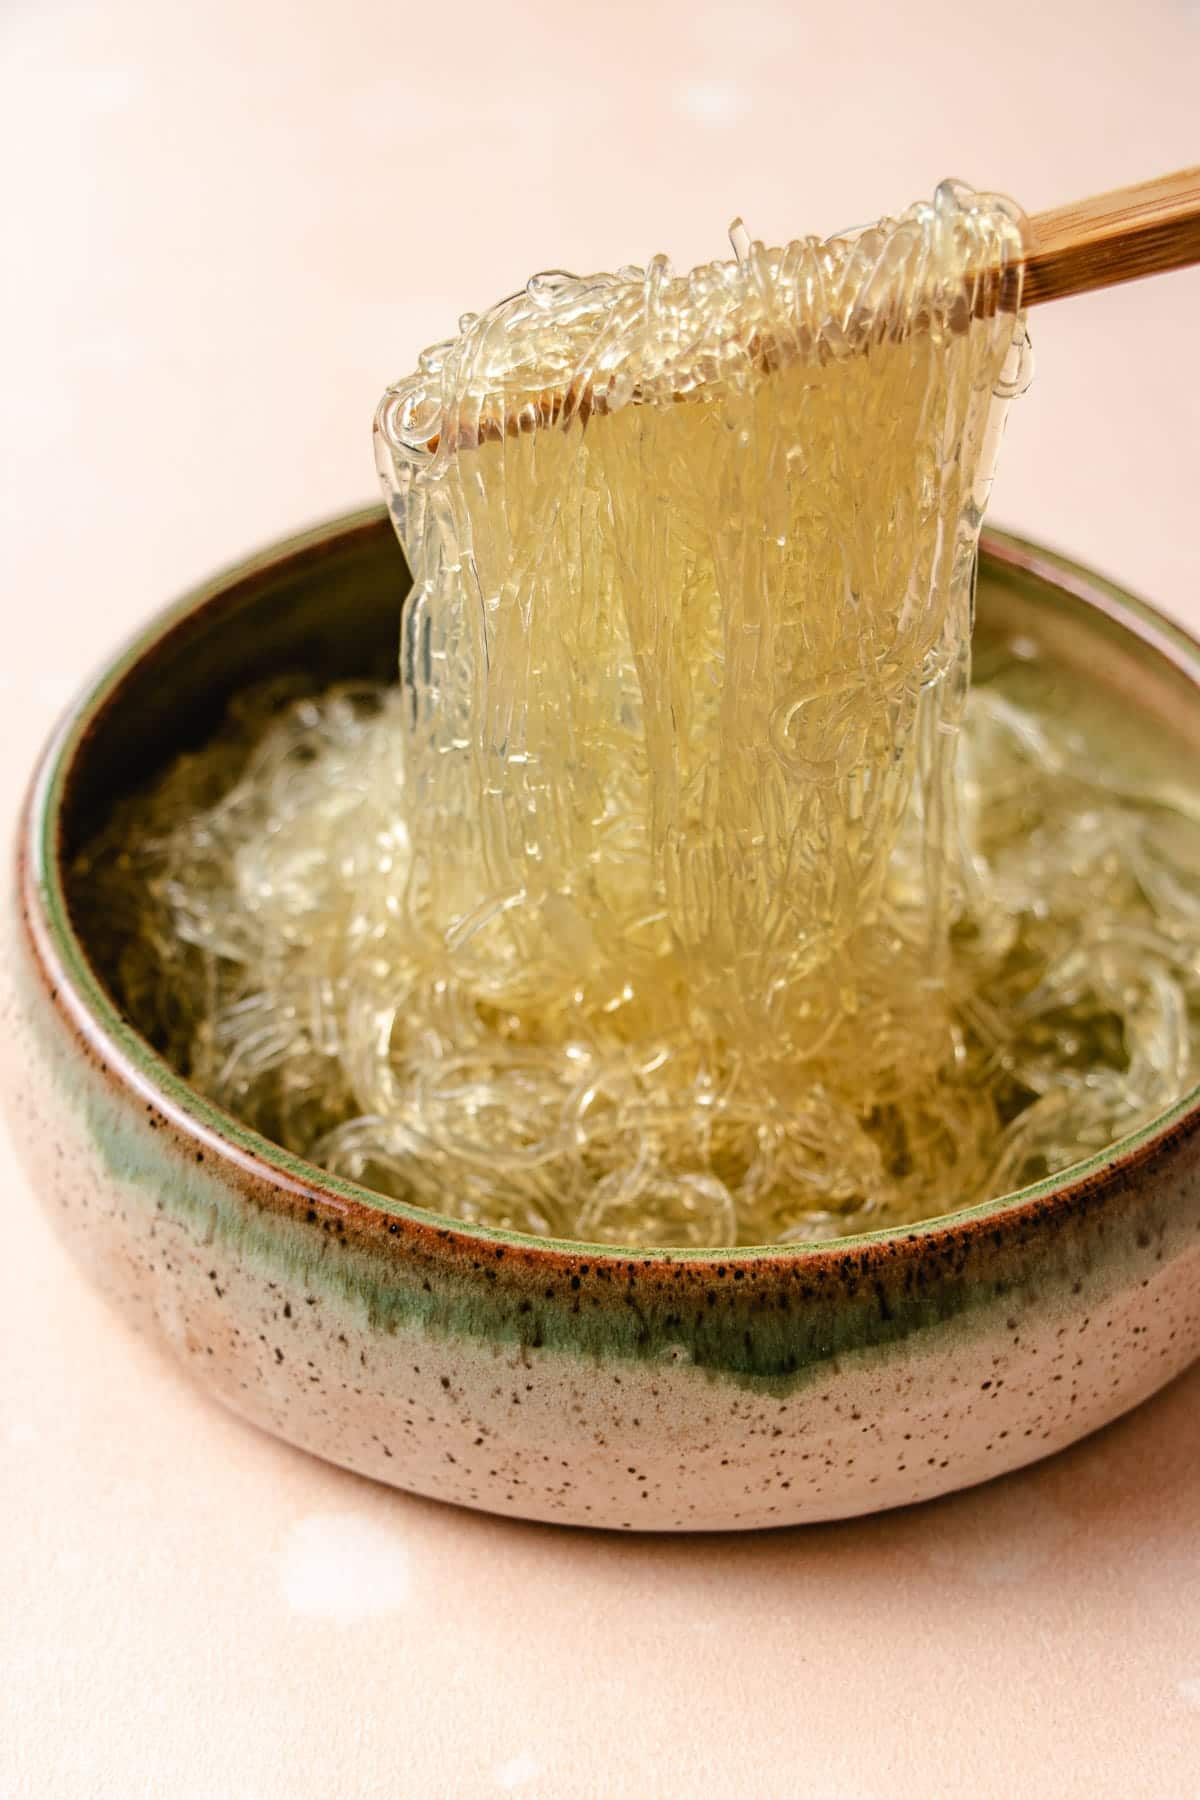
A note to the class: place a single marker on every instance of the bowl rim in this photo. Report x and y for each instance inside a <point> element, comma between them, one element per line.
<point>77,989</point>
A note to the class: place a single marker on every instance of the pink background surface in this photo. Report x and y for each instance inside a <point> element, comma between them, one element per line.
<point>226,228</point>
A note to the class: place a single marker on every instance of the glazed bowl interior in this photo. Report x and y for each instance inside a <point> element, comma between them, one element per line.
<point>327,605</point>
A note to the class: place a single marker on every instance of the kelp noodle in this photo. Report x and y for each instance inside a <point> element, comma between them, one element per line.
<point>667,900</point>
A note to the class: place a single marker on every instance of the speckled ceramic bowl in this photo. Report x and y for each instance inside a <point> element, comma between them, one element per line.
<point>676,1391</point>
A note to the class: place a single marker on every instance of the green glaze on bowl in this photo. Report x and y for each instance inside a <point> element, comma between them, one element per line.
<point>670,1390</point>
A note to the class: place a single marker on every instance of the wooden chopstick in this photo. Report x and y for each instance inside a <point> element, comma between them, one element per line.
<point>1146,229</point>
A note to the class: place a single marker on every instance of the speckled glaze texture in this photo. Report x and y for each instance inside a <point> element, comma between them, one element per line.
<point>666,1391</point>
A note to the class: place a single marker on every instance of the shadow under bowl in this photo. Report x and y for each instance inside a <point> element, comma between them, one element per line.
<point>632,1389</point>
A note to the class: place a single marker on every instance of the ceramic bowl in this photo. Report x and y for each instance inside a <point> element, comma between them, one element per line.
<point>669,1390</point>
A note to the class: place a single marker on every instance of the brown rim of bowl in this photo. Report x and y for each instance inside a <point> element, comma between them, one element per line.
<point>80,996</point>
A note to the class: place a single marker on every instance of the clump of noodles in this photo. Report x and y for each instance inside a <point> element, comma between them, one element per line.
<point>655,905</point>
